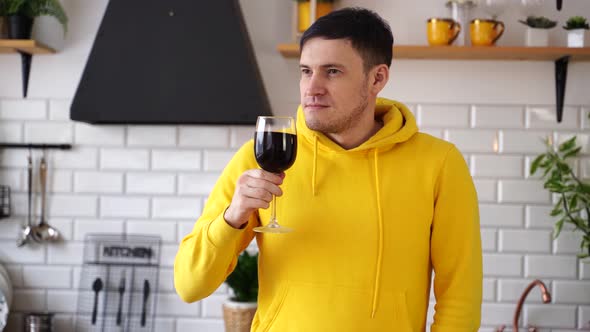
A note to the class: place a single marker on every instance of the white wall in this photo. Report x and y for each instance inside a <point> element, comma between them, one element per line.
<point>155,179</point>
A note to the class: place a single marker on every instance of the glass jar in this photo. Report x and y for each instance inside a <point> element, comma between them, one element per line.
<point>460,11</point>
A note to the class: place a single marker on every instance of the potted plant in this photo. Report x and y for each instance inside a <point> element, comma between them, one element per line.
<point>576,27</point>
<point>573,205</point>
<point>21,15</point>
<point>239,310</point>
<point>323,7</point>
<point>537,33</point>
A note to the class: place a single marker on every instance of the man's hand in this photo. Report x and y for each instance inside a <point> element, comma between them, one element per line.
<point>254,190</point>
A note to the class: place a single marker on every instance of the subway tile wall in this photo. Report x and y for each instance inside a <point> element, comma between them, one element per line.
<point>155,179</point>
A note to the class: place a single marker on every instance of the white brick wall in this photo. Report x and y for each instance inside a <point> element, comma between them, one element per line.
<point>151,136</point>
<point>154,180</point>
<point>40,132</point>
<point>487,116</point>
<point>455,116</point>
<point>11,132</point>
<point>23,109</point>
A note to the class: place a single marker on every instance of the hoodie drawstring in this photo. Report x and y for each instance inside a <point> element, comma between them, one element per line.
<point>315,163</point>
<point>380,240</point>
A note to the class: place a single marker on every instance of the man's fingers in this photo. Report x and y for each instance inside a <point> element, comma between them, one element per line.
<point>256,193</point>
<point>268,186</point>
<point>255,203</point>
<point>264,175</point>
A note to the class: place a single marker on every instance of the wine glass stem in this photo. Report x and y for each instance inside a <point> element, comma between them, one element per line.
<point>273,217</point>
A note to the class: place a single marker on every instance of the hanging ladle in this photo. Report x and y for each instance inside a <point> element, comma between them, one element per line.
<point>44,232</point>
<point>25,233</point>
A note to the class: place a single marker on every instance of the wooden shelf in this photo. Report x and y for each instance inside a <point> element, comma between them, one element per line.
<point>24,45</point>
<point>471,53</point>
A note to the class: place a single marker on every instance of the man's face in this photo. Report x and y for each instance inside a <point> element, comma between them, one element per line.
<point>334,87</point>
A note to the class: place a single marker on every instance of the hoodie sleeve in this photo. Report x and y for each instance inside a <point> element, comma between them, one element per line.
<point>456,249</point>
<point>209,253</point>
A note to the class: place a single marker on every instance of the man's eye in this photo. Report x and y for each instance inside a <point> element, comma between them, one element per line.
<point>305,71</point>
<point>333,71</point>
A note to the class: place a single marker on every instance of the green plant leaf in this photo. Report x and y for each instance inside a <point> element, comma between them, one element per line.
<point>557,228</point>
<point>567,145</point>
<point>563,168</point>
<point>540,22</point>
<point>34,8</point>
<point>572,153</point>
<point>573,202</point>
<point>536,163</point>
<point>576,22</point>
<point>556,211</point>
<point>555,186</point>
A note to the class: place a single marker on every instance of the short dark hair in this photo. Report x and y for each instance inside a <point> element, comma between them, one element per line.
<point>369,34</point>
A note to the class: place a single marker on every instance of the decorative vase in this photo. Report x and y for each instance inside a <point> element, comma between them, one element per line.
<point>460,12</point>
<point>575,37</point>
<point>304,13</point>
<point>238,316</point>
<point>537,37</point>
<point>19,27</point>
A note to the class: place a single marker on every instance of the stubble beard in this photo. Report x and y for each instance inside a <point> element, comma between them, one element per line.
<point>340,125</point>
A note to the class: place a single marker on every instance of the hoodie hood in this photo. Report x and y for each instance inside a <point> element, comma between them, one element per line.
<point>399,125</point>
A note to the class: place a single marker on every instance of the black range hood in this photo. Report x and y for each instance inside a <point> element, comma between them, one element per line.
<point>171,62</point>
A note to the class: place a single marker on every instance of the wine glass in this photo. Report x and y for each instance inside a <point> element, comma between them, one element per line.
<point>275,148</point>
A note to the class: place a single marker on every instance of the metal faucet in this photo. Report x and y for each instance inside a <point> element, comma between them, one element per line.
<point>546,299</point>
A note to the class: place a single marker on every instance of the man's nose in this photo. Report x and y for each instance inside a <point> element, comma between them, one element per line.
<point>315,86</point>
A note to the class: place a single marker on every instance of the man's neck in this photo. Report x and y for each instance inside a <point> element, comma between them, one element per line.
<point>357,135</point>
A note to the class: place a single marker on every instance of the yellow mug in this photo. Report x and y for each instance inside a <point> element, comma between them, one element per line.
<point>442,31</point>
<point>485,32</point>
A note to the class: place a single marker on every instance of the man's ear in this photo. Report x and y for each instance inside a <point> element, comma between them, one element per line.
<point>379,77</point>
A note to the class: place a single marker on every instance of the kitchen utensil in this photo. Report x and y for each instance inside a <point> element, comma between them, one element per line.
<point>44,232</point>
<point>39,322</point>
<point>25,234</point>
<point>4,202</point>
<point>96,287</point>
<point>128,267</point>
<point>121,292</point>
<point>146,294</point>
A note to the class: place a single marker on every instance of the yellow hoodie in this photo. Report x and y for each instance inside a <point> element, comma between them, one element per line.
<point>370,224</point>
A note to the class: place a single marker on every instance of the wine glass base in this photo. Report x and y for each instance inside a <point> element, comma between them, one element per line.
<point>276,230</point>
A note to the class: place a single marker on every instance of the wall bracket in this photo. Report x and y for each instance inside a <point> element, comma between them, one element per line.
<point>560,80</point>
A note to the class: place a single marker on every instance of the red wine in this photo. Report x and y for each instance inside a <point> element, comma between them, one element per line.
<point>275,151</point>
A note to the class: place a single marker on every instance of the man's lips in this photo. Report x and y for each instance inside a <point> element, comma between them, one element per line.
<point>315,106</point>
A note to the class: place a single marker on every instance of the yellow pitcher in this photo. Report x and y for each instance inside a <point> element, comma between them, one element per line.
<point>485,32</point>
<point>442,31</point>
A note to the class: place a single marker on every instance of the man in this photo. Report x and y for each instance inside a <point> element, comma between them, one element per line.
<point>375,206</point>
